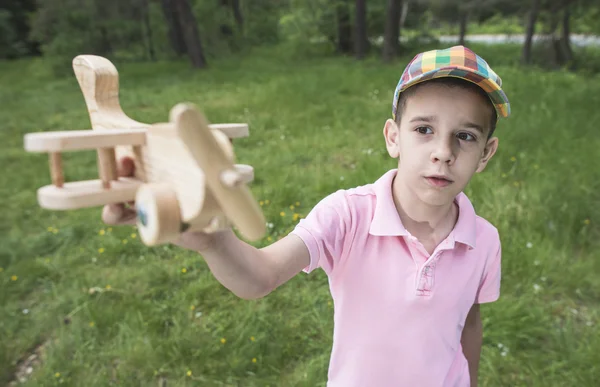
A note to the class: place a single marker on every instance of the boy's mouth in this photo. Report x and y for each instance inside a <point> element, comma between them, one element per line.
<point>438,180</point>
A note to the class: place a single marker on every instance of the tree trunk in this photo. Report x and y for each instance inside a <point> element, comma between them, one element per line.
<point>558,54</point>
<point>361,41</point>
<point>174,27</point>
<point>391,48</point>
<point>237,14</point>
<point>533,14</point>
<point>344,27</point>
<point>566,35</point>
<point>148,29</point>
<point>191,34</point>
<point>404,13</point>
<point>464,17</point>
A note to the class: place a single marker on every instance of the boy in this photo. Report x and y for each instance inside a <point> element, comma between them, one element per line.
<point>407,258</point>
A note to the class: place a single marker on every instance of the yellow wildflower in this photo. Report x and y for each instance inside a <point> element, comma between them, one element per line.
<point>108,287</point>
<point>189,373</point>
<point>101,232</point>
<point>133,235</point>
<point>262,203</point>
<point>50,229</point>
<point>14,278</point>
<point>223,340</point>
<point>292,207</point>
<point>269,238</point>
<point>92,324</point>
<point>513,158</point>
<point>267,201</point>
<point>252,338</point>
<point>1,270</point>
<point>101,250</point>
<point>109,229</point>
<point>253,360</point>
<point>587,221</point>
<point>282,213</point>
<point>57,375</point>
<point>297,204</point>
<point>184,270</point>
<point>124,241</point>
<point>516,183</point>
<point>296,216</point>
<point>192,307</point>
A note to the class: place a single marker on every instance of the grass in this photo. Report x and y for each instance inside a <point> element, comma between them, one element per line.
<point>107,310</point>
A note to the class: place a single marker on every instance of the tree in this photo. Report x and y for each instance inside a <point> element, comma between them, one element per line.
<point>191,35</point>
<point>344,27</point>
<point>361,39</point>
<point>391,46</point>
<point>173,27</point>
<point>529,31</point>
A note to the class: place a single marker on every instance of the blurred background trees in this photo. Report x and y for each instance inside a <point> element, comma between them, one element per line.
<point>201,30</point>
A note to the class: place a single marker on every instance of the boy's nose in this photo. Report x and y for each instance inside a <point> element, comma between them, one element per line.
<point>442,152</point>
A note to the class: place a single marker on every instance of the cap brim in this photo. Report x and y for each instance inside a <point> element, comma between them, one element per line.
<point>492,89</point>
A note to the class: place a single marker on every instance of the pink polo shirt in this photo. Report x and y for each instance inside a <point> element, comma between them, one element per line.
<point>398,311</point>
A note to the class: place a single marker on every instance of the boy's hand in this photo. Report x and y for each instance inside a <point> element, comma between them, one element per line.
<point>125,214</point>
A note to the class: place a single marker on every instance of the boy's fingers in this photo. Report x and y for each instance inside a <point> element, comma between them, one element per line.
<point>118,214</point>
<point>126,167</point>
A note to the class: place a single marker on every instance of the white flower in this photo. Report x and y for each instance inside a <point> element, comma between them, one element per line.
<point>341,177</point>
<point>25,311</point>
<point>536,262</point>
<point>198,314</point>
<point>536,288</point>
<point>529,245</point>
<point>282,136</point>
<point>574,311</point>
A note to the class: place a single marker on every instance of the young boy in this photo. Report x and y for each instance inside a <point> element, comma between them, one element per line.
<point>408,259</point>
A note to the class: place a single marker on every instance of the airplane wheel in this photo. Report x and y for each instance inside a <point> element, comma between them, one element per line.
<point>158,214</point>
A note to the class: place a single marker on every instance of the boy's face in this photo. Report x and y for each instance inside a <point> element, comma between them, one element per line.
<point>441,141</point>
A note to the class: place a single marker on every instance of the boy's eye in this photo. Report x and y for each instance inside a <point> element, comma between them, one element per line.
<point>466,136</point>
<point>424,130</point>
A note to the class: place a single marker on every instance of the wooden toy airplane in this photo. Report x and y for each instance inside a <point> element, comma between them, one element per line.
<point>185,172</point>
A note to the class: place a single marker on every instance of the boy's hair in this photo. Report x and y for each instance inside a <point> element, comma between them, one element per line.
<point>449,82</point>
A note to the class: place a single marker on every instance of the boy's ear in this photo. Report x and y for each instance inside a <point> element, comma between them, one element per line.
<point>391,135</point>
<point>490,149</point>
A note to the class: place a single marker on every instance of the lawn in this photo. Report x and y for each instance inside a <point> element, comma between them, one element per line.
<point>102,309</point>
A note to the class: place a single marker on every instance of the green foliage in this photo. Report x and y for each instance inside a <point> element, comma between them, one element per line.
<point>10,46</point>
<point>135,317</point>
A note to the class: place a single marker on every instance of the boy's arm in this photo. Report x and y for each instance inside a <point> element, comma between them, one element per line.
<point>472,337</point>
<point>249,272</point>
<point>246,271</point>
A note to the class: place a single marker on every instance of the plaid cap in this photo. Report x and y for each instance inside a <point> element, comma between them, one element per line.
<point>458,62</point>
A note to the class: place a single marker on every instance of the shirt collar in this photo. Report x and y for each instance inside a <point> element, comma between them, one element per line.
<point>386,221</point>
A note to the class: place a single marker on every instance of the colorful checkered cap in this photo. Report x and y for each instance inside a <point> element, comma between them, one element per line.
<point>458,62</point>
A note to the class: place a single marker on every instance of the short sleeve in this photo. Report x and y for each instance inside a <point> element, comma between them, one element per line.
<point>323,231</point>
<point>489,288</point>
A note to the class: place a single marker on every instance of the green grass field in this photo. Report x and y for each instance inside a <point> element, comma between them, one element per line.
<point>102,309</point>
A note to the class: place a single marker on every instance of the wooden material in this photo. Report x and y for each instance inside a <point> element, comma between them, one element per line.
<point>87,193</point>
<point>159,217</point>
<point>236,202</point>
<point>56,171</point>
<point>107,166</point>
<point>185,171</point>
<point>74,140</point>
